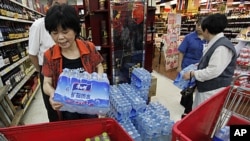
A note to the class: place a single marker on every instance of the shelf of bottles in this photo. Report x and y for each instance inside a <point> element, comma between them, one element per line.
<point>187,26</point>
<point>15,20</point>
<point>19,79</point>
<point>11,56</point>
<point>160,27</point>
<point>235,25</point>
<point>18,11</point>
<point>96,28</point>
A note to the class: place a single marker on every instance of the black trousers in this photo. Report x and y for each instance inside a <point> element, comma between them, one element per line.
<point>52,114</point>
<point>187,103</point>
<point>72,116</point>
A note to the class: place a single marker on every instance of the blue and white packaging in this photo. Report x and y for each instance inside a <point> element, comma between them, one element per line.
<point>180,82</point>
<point>82,92</point>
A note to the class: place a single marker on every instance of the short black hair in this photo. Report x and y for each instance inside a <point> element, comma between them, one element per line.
<point>199,20</point>
<point>214,23</point>
<point>62,15</point>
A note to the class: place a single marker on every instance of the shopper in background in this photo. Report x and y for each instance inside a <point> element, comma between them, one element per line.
<point>62,23</point>
<point>190,52</point>
<point>216,67</point>
<point>39,41</point>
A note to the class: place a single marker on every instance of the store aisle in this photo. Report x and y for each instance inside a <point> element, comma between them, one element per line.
<point>166,93</point>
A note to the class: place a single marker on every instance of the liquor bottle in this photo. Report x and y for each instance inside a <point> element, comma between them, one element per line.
<point>20,50</point>
<point>104,33</point>
<point>1,34</point>
<point>1,59</point>
<point>101,4</point>
<point>83,30</point>
<point>5,57</point>
<point>90,34</point>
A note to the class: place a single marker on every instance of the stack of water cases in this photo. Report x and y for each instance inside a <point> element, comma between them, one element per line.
<point>141,81</point>
<point>154,124</point>
<point>83,92</point>
<point>128,106</point>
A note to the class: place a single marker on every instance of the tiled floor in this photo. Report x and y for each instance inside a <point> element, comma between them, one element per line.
<point>166,93</point>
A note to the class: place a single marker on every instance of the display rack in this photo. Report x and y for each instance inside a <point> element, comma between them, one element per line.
<point>16,70</point>
<point>242,63</point>
<point>187,26</point>
<point>97,21</point>
<point>160,28</point>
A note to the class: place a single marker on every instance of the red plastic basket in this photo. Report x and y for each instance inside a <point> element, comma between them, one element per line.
<point>198,125</point>
<point>75,130</point>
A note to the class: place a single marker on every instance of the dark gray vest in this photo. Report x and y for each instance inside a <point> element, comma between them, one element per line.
<point>225,78</point>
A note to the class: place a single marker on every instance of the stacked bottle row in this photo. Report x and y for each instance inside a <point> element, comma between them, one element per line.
<point>12,30</point>
<point>154,124</point>
<point>125,102</point>
<point>13,10</point>
<point>128,126</point>
<point>12,53</point>
<point>141,81</point>
<point>120,107</point>
<point>83,92</point>
<point>13,77</point>
<point>235,25</point>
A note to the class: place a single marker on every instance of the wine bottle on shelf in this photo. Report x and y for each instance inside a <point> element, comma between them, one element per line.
<point>83,30</point>
<point>101,4</point>
<point>5,57</point>
<point>1,34</point>
<point>1,59</point>
<point>104,33</point>
<point>90,34</point>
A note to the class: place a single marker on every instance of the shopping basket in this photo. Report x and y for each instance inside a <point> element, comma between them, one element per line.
<point>74,130</point>
<point>225,107</point>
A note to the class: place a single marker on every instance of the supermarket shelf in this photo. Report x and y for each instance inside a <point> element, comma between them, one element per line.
<point>26,7</point>
<point>9,68</point>
<point>20,112</point>
<point>16,20</point>
<point>32,96</point>
<point>20,84</point>
<point>241,39</point>
<point>13,42</point>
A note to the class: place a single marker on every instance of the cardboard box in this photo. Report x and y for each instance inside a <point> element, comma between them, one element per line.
<point>152,89</point>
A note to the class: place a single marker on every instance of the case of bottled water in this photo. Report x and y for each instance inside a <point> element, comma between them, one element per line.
<point>180,82</point>
<point>155,124</point>
<point>82,92</point>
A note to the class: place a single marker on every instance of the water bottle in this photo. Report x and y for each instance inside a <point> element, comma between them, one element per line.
<point>105,137</point>
<point>222,134</point>
<point>63,87</point>
<point>87,139</point>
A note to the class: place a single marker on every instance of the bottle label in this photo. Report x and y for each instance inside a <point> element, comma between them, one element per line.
<point>1,36</point>
<point>81,93</point>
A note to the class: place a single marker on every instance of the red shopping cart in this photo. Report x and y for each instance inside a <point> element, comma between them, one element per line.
<point>72,130</point>
<point>230,106</point>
